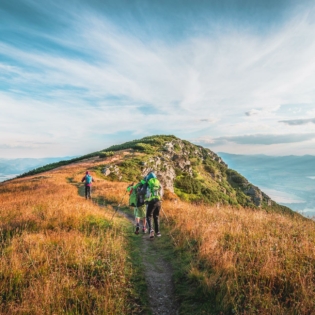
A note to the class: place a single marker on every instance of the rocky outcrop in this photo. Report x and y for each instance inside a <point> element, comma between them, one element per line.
<point>108,169</point>
<point>255,195</point>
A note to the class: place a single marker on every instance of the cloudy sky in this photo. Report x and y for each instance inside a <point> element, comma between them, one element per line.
<point>77,76</point>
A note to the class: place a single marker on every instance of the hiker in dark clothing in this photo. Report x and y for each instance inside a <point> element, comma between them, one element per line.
<point>153,200</point>
<point>88,179</point>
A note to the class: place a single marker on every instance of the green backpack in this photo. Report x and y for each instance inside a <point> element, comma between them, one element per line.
<point>155,188</point>
<point>133,198</point>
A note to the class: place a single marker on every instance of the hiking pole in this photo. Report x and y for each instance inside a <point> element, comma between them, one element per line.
<point>119,205</point>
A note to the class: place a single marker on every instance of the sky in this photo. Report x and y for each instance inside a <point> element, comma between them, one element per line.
<point>78,76</point>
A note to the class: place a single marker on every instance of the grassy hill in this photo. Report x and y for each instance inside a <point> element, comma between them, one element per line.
<point>233,250</point>
<point>196,174</point>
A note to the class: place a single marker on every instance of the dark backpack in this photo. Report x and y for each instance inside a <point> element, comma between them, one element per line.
<point>141,192</point>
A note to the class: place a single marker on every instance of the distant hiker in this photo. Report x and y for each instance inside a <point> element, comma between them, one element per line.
<point>153,200</point>
<point>88,179</point>
<point>136,199</point>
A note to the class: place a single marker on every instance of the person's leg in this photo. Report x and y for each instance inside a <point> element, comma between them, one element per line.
<point>142,215</point>
<point>149,215</point>
<point>144,229</point>
<point>86,192</point>
<point>137,220</point>
<point>156,213</point>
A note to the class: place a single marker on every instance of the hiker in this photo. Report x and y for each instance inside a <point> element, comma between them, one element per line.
<point>136,199</point>
<point>153,200</point>
<point>88,184</point>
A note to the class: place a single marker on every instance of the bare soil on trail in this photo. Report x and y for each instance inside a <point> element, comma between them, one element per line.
<point>158,275</point>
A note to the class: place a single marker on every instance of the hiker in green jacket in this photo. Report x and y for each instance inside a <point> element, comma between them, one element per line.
<point>153,200</point>
<point>136,199</point>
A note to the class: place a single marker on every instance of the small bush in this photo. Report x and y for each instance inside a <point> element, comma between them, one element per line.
<point>106,154</point>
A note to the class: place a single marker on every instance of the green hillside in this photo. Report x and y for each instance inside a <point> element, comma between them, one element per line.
<point>194,173</point>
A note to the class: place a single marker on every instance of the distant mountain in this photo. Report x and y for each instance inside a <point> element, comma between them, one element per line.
<point>289,180</point>
<point>10,168</point>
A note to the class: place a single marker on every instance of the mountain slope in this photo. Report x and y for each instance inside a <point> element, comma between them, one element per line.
<point>194,173</point>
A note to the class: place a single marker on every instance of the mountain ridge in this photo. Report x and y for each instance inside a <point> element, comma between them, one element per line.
<point>192,172</point>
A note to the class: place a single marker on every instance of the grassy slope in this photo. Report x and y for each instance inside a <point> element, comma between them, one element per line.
<point>227,260</point>
<point>235,260</point>
<point>61,254</point>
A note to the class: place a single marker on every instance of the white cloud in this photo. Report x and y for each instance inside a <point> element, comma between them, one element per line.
<point>281,196</point>
<point>196,82</point>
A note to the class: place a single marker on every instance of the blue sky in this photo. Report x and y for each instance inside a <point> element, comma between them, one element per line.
<point>236,76</point>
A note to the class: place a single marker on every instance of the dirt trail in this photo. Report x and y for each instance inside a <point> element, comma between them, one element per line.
<point>159,276</point>
<point>158,273</point>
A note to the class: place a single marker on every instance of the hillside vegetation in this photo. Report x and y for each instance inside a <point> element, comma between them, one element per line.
<point>234,251</point>
<point>61,254</point>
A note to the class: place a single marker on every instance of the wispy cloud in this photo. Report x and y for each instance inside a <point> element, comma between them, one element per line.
<point>295,122</point>
<point>259,139</point>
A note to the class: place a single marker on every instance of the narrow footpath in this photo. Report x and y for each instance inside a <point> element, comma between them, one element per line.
<point>158,275</point>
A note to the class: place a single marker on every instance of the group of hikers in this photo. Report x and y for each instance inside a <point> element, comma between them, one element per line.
<point>145,197</point>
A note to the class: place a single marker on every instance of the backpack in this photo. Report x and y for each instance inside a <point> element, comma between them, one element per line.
<point>88,179</point>
<point>133,198</point>
<point>141,192</point>
<point>155,188</point>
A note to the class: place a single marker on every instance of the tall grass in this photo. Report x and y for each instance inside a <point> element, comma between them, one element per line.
<point>242,261</point>
<point>60,254</point>
<point>248,262</point>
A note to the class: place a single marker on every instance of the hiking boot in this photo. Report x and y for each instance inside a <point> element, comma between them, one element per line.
<point>151,234</point>
<point>144,230</point>
<point>137,229</point>
<point>158,234</point>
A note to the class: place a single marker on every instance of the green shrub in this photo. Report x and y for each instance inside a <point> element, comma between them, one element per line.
<point>188,184</point>
<point>106,154</point>
<point>210,169</point>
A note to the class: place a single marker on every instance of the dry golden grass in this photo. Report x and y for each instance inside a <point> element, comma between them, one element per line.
<point>253,262</point>
<point>60,254</point>
<point>248,262</point>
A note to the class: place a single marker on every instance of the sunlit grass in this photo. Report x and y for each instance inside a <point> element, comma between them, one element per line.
<point>249,262</point>
<point>61,254</point>
<point>243,261</point>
